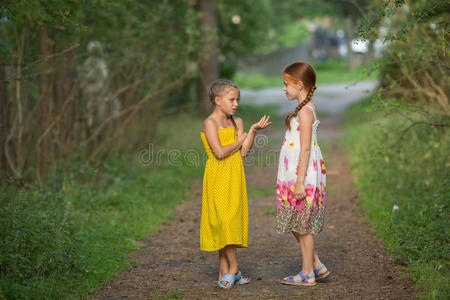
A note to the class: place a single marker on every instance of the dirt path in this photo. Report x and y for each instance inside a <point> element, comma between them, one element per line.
<point>172,263</point>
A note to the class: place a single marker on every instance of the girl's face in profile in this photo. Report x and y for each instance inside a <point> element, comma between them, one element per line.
<point>292,90</point>
<point>229,101</point>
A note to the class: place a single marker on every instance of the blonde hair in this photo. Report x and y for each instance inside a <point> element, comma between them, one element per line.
<point>217,88</point>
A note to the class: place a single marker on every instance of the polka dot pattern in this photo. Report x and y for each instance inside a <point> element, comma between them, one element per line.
<point>224,218</point>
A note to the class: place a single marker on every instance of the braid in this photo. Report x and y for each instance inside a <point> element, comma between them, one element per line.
<point>299,107</point>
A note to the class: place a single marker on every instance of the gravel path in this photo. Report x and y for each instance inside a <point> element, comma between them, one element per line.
<point>172,264</point>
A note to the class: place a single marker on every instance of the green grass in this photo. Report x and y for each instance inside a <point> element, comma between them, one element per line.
<point>255,192</point>
<point>65,240</point>
<point>331,71</point>
<point>270,211</point>
<point>412,174</point>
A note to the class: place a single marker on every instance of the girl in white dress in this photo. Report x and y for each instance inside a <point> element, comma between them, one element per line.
<point>301,181</point>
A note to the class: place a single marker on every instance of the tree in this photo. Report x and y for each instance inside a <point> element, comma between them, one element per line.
<point>43,42</point>
<point>232,29</point>
<point>414,69</point>
<point>208,66</point>
<point>4,116</point>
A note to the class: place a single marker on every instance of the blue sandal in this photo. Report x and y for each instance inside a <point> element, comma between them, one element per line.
<point>321,276</point>
<point>303,280</point>
<point>239,279</point>
<point>230,278</point>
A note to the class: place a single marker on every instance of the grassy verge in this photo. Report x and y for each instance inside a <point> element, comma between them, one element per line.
<point>403,186</point>
<point>331,71</point>
<point>65,240</point>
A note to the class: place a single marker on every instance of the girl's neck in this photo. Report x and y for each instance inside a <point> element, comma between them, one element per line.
<point>220,116</point>
<point>302,95</point>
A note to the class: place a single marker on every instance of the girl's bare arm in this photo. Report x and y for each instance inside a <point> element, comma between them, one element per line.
<point>305,119</point>
<point>248,143</point>
<point>219,151</point>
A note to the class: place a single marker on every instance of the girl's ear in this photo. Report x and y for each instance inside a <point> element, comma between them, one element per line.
<point>217,100</point>
<point>300,85</point>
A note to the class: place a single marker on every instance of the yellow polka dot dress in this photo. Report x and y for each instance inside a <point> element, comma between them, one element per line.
<point>224,205</point>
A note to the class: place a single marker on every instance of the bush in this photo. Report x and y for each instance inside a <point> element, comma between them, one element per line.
<point>408,170</point>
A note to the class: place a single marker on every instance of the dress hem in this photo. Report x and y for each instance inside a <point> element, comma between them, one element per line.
<point>238,245</point>
<point>300,232</point>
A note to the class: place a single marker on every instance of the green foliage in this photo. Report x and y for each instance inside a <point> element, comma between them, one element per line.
<point>293,33</point>
<point>147,50</point>
<point>413,67</point>
<point>396,164</point>
<point>67,239</point>
<point>261,28</point>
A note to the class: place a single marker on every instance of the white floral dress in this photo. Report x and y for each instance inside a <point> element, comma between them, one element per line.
<point>304,216</point>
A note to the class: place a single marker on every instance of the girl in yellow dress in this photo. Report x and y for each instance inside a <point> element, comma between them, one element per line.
<point>224,222</point>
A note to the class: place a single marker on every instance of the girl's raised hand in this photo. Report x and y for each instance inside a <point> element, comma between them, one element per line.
<point>263,123</point>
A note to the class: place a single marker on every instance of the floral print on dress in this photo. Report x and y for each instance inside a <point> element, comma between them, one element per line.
<point>305,216</point>
<point>323,190</point>
<point>309,190</point>
<point>322,166</point>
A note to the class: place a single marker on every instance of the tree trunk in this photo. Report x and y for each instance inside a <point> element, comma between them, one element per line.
<point>46,81</point>
<point>349,29</point>
<point>63,86</point>
<point>4,117</point>
<point>208,66</point>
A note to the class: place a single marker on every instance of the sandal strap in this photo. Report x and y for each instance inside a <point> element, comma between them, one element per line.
<point>320,267</point>
<point>304,277</point>
<point>238,275</point>
<point>239,278</point>
<point>228,278</point>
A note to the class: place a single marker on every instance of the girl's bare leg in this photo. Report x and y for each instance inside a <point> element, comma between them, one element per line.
<point>228,262</point>
<point>307,248</point>
<point>224,266</point>
<point>230,252</point>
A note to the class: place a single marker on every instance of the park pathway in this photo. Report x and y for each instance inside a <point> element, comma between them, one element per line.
<point>171,263</point>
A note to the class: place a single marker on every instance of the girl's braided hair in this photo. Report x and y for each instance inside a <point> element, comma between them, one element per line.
<point>295,72</point>
<point>217,88</point>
